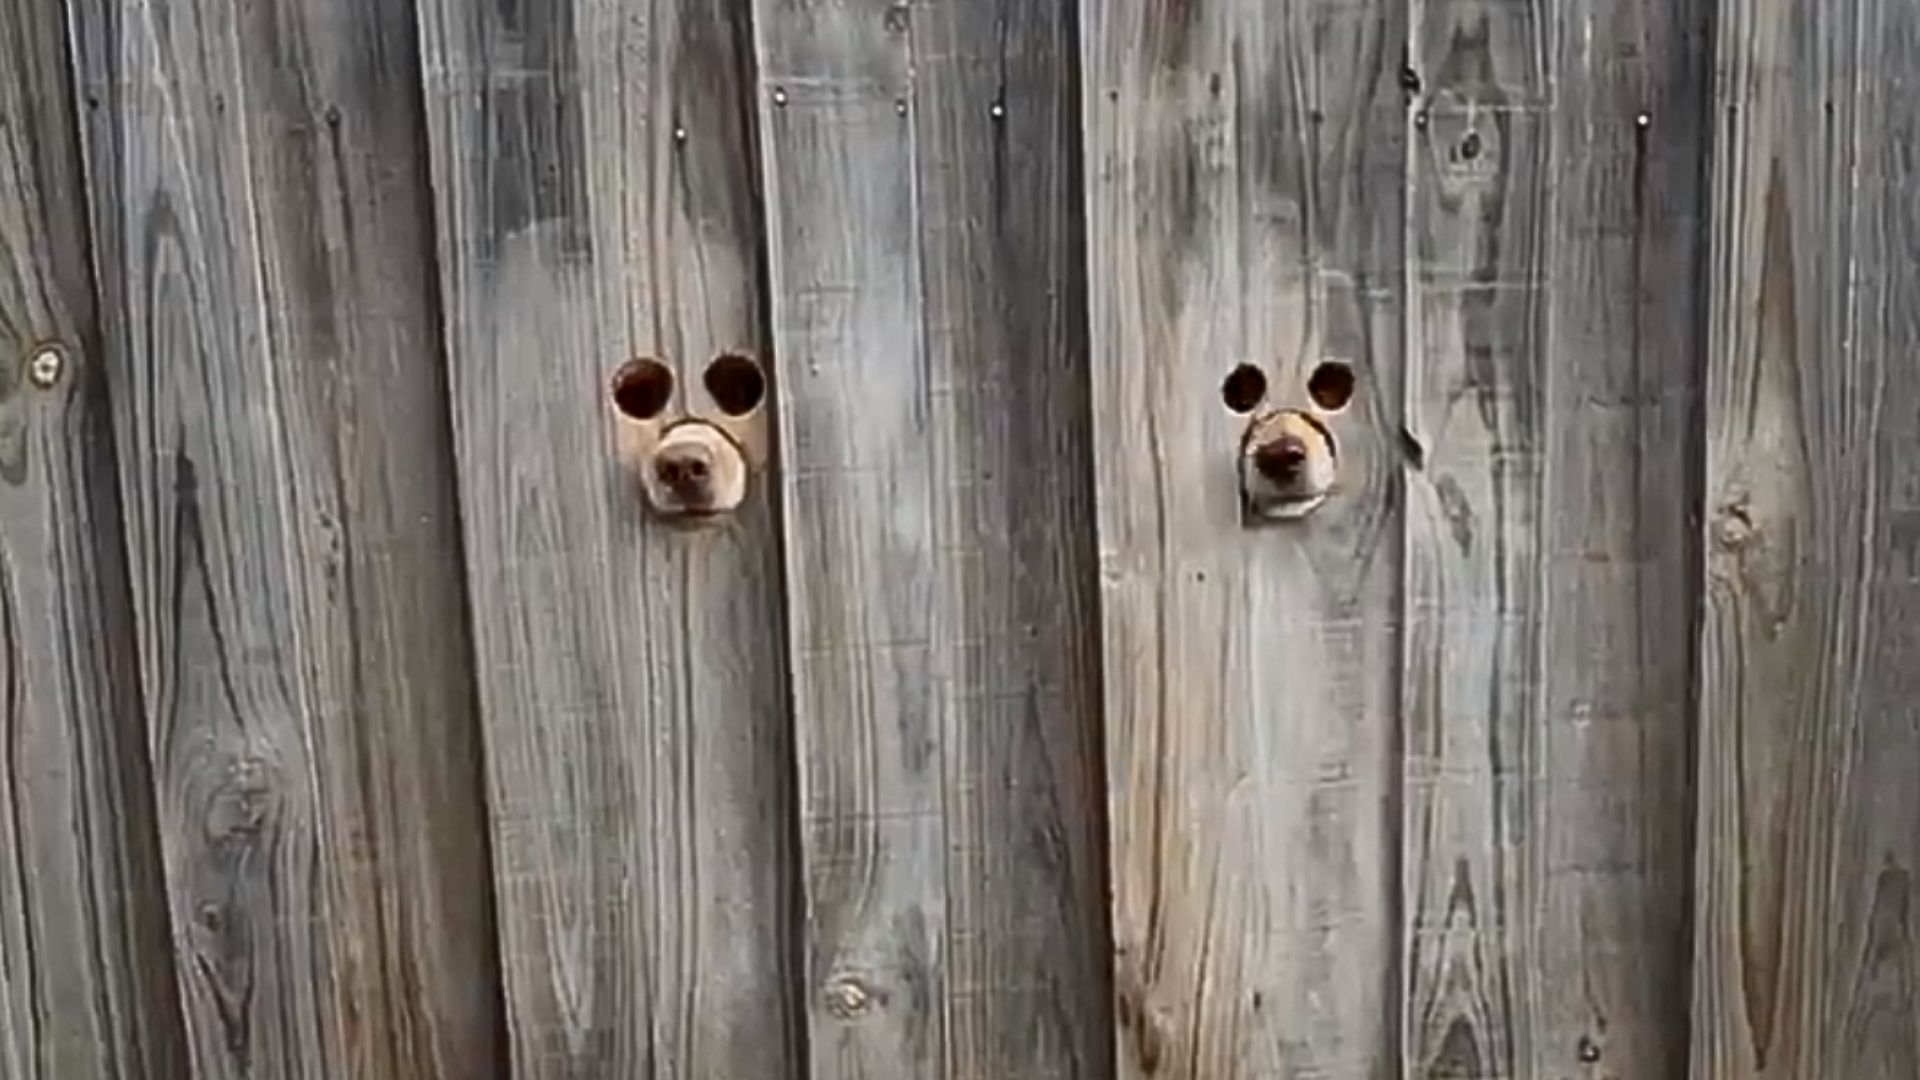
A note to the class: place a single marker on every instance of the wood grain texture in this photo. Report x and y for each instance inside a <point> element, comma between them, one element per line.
<point>1809,811</point>
<point>1625,266</point>
<point>1476,418</point>
<point>594,168</point>
<point>996,130</point>
<point>861,500</point>
<point>1551,374</point>
<point>1245,170</point>
<point>86,979</point>
<point>260,205</point>
<point>928,304</point>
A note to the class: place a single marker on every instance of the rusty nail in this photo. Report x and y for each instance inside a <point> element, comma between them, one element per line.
<point>45,367</point>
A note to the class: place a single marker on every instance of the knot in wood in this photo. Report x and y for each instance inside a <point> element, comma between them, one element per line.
<point>1733,527</point>
<point>244,801</point>
<point>848,997</point>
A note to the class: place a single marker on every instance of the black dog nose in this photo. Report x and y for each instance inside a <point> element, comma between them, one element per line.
<point>683,473</point>
<point>1282,459</point>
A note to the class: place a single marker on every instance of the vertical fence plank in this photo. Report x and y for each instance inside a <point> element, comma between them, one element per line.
<point>1550,389</point>
<point>1475,413</point>
<point>259,203</point>
<point>996,129</point>
<point>861,498</point>
<point>1246,165</point>
<point>1809,808</point>
<point>597,202</point>
<point>927,297</point>
<point>1869,404</point>
<point>1625,271</point>
<point>86,982</point>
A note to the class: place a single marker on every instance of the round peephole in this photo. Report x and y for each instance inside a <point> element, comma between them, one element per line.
<point>1244,388</point>
<point>1331,386</point>
<point>642,388</point>
<point>736,384</point>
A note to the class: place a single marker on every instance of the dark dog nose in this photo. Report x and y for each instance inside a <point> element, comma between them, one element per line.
<point>1281,460</point>
<point>684,472</point>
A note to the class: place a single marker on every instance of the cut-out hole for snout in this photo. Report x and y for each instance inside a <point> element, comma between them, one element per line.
<point>1244,389</point>
<point>642,388</point>
<point>736,384</point>
<point>1331,386</point>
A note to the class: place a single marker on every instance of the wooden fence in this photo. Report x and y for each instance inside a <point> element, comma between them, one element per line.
<point>358,718</point>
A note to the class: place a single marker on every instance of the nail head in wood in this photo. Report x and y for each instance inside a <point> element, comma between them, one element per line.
<point>46,365</point>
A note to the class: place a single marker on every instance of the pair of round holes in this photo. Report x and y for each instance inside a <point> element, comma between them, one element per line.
<point>1330,387</point>
<point>642,388</point>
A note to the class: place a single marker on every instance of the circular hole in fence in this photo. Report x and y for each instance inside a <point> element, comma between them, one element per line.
<point>1244,389</point>
<point>736,383</point>
<point>642,388</point>
<point>1331,386</point>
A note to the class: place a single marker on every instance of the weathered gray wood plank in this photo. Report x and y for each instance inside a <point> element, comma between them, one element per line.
<point>259,199</point>
<point>1246,165</point>
<point>1809,829</point>
<point>861,498</point>
<point>1550,571</point>
<point>996,130</point>
<point>595,176</point>
<point>1871,954</point>
<point>1475,421</point>
<point>1621,360</point>
<point>86,979</point>
<point>928,302</point>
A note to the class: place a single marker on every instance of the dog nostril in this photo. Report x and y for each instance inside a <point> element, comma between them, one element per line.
<point>684,473</point>
<point>1281,459</point>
